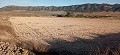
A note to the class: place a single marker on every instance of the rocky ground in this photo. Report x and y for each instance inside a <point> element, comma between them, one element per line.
<point>9,49</point>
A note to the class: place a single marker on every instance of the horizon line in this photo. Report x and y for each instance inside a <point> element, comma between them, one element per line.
<point>61,5</point>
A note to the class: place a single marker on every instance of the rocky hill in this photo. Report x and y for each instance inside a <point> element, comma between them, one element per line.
<point>75,8</point>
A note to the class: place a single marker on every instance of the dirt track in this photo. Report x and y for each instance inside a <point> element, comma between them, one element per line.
<point>61,33</point>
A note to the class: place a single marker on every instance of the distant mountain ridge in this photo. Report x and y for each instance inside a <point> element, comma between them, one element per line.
<point>72,8</point>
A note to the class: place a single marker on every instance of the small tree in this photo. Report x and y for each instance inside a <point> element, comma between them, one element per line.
<point>80,16</point>
<point>68,15</point>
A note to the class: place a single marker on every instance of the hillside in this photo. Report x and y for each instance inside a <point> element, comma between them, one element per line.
<point>75,8</point>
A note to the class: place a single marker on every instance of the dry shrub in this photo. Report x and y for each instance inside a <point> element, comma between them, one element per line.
<point>105,50</point>
<point>7,26</point>
<point>33,45</point>
<point>6,31</point>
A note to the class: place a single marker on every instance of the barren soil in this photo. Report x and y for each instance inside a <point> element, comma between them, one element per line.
<point>64,34</point>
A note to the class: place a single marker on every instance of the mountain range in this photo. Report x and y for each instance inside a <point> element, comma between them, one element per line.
<point>72,8</point>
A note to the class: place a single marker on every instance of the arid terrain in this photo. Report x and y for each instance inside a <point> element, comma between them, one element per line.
<point>63,28</point>
<point>50,35</point>
<point>60,27</point>
<point>61,35</point>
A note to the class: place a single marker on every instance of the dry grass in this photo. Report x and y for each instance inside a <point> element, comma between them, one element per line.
<point>111,15</point>
<point>6,31</point>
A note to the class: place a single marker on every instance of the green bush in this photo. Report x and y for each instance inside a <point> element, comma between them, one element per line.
<point>69,15</point>
<point>80,16</point>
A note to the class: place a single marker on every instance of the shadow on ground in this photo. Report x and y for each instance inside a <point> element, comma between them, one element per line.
<point>107,44</point>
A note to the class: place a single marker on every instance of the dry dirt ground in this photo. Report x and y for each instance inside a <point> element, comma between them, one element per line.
<point>63,28</point>
<point>41,34</point>
<point>7,39</point>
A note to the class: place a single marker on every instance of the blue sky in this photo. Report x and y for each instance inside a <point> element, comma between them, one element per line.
<point>53,2</point>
